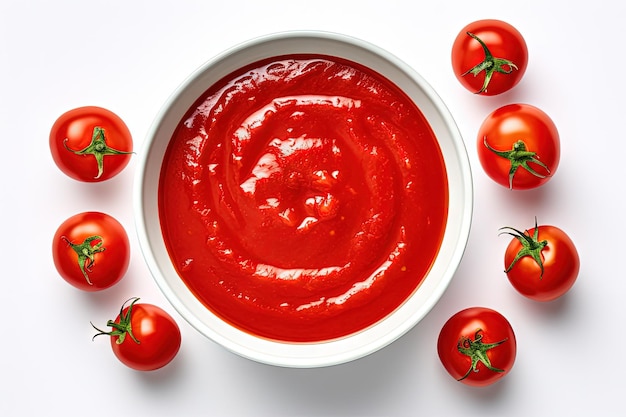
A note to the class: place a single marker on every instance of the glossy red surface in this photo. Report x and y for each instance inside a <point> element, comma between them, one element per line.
<point>303,198</point>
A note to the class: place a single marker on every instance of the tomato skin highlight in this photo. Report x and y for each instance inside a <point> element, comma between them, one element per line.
<point>503,41</point>
<point>158,335</point>
<point>561,265</point>
<point>109,265</point>
<point>505,127</point>
<point>471,324</point>
<point>74,130</point>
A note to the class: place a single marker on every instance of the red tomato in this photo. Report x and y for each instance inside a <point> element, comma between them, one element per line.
<point>143,336</point>
<point>519,146</point>
<point>477,346</point>
<point>91,251</point>
<point>90,144</point>
<point>541,264</point>
<point>489,57</point>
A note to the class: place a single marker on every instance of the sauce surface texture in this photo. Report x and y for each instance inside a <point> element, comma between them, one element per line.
<point>303,198</point>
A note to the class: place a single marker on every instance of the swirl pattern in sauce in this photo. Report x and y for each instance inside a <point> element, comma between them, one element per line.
<point>303,198</point>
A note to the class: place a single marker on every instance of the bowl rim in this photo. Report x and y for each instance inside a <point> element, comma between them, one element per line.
<point>327,353</point>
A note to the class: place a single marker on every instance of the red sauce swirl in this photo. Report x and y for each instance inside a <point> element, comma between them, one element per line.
<point>303,198</point>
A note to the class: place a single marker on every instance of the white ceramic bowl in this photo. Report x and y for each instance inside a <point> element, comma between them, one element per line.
<point>353,346</point>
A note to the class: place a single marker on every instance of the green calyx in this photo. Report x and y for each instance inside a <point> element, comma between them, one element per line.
<point>519,156</point>
<point>477,351</point>
<point>490,65</point>
<point>98,148</point>
<point>86,253</point>
<point>531,246</point>
<point>123,328</point>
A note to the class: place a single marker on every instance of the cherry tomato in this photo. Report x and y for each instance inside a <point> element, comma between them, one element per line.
<point>91,251</point>
<point>477,346</point>
<point>489,57</point>
<point>519,146</point>
<point>541,264</point>
<point>90,144</point>
<point>143,337</point>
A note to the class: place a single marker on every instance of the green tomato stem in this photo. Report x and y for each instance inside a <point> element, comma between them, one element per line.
<point>519,156</point>
<point>123,328</point>
<point>477,351</point>
<point>531,246</point>
<point>490,65</point>
<point>86,253</point>
<point>98,148</point>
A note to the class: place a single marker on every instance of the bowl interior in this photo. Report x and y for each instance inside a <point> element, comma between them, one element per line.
<point>353,346</point>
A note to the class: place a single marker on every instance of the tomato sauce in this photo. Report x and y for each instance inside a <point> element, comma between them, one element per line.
<point>303,198</point>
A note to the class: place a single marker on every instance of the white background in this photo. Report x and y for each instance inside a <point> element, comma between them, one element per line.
<point>128,56</point>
